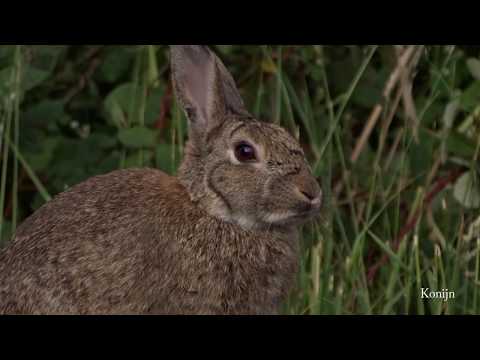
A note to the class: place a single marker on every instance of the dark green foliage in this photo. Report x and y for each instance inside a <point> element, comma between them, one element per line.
<point>71,112</point>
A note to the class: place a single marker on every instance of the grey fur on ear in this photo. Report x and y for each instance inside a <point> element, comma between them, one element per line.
<point>204,87</point>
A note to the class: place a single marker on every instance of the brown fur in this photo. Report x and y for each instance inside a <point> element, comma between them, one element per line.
<point>219,239</point>
<point>94,257</point>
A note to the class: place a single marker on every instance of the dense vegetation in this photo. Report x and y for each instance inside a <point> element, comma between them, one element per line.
<point>393,133</point>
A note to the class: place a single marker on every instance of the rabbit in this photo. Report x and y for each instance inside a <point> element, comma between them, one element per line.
<point>221,238</point>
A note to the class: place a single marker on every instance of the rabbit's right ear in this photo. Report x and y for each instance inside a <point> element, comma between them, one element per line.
<point>204,88</point>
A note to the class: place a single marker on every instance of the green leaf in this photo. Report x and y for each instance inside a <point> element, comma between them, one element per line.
<point>225,49</point>
<point>108,164</point>
<point>102,141</point>
<point>31,78</point>
<point>467,191</point>
<point>118,104</point>
<point>471,97</point>
<point>41,160</point>
<point>7,54</point>
<point>137,137</point>
<point>46,57</point>
<point>450,114</point>
<point>461,145</point>
<point>7,81</point>
<point>474,67</point>
<point>45,111</point>
<point>87,155</point>
<point>115,65</point>
<point>421,154</point>
<point>37,202</point>
<point>370,90</point>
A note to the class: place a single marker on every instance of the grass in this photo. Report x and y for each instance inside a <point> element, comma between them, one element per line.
<point>397,217</point>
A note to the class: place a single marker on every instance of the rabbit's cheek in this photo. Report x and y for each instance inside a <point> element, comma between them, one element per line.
<point>236,186</point>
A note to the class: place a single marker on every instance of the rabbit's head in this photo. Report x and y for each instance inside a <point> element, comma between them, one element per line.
<point>237,168</point>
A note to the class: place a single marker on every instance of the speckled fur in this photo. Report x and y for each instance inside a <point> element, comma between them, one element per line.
<point>113,248</point>
<point>141,242</point>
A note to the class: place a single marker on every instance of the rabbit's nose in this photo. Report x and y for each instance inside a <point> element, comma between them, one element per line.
<point>314,198</point>
<point>310,192</point>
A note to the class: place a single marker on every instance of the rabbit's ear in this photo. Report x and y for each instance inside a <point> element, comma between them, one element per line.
<point>204,87</point>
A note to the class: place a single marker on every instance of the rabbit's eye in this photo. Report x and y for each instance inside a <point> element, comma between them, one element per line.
<point>245,153</point>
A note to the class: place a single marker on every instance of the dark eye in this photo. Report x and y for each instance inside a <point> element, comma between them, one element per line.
<point>245,153</point>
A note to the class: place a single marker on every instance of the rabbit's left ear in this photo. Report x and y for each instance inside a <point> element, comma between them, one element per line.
<point>204,87</point>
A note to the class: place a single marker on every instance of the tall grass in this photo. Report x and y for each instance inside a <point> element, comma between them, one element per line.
<point>9,144</point>
<point>389,228</point>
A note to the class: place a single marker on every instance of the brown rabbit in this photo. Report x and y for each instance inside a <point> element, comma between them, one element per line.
<point>219,239</point>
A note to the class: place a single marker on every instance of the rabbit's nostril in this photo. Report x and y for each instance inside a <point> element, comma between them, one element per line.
<point>308,195</point>
<point>315,198</point>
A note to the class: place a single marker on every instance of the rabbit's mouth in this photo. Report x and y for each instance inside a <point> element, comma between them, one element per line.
<point>294,218</point>
<point>308,215</point>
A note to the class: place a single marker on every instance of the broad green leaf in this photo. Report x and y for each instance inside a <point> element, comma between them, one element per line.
<point>115,65</point>
<point>31,77</point>
<point>370,89</point>
<point>7,53</point>
<point>40,160</point>
<point>460,145</point>
<point>421,154</point>
<point>467,191</point>
<point>46,57</point>
<point>45,111</point>
<point>471,97</point>
<point>225,49</point>
<point>37,202</point>
<point>137,137</point>
<point>450,114</point>
<point>474,67</point>
<point>119,102</point>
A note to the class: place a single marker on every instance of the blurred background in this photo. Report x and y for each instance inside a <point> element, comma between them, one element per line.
<point>392,132</point>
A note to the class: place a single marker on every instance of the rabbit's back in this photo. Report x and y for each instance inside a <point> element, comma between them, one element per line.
<point>92,249</point>
<point>132,242</point>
